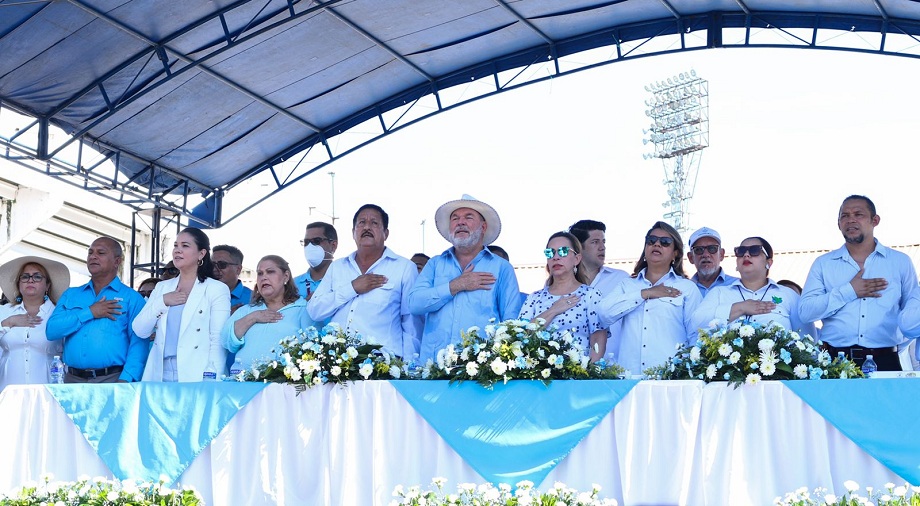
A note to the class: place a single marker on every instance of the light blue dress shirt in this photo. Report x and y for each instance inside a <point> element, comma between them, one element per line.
<point>261,338</point>
<point>447,315</point>
<point>847,320</point>
<point>721,280</point>
<point>306,285</point>
<point>717,305</point>
<point>97,343</point>
<point>653,328</point>
<point>381,315</point>
<point>240,294</point>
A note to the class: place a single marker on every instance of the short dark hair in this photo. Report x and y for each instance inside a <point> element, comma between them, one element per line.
<point>233,251</point>
<point>383,215</point>
<point>582,229</point>
<point>867,200</point>
<point>328,230</point>
<point>498,250</point>
<point>426,257</point>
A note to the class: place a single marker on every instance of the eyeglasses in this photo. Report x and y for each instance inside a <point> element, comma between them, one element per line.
<point>712,249</point>
<point>145,293</point>
<point>754,250</point>
<point>223,265</point>
<point>172,271</point>
<point>35,278</point>
<point>563,252</point>
<point>316,241</point>
<point>652,239</point>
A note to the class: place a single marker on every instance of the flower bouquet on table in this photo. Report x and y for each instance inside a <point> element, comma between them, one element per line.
<point>517,349</point>
<point>316,357</point>
<point>746,353</point>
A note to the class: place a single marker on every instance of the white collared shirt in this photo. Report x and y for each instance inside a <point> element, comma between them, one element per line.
<point>717,305</point>
<point>652,329</point>
<point>381,315</point>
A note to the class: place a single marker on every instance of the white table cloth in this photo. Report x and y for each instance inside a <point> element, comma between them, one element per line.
<point>667,442</point>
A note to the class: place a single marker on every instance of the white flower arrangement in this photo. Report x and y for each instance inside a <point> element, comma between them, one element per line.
<point>522,494</point>
<point>102,491</point>
<point>890,495</point>
<point>748,353</point>
<point>315,357</point>
<point>517,349</point>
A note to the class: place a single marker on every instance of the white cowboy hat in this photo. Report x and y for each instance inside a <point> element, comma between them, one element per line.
<point>493,222</point>
<point>58,272</point>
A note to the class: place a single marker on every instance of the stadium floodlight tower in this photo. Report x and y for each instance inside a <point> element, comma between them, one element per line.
<point>679,109</point>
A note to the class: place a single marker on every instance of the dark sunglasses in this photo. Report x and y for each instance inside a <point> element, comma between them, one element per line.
<point>172,271</point>
<point>145,293</point>
<point>652,239</point>
<point>712,249</point>
<point>316,241</point>
<point>35,278</point>
<point>754,250</point>
<point>563,252</point>
<point>223,265</point>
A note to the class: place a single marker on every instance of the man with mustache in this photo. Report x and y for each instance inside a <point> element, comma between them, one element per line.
<point>467,285</point>
<point>706,254</point>
<point>368,291</point>
<point>859,290</point>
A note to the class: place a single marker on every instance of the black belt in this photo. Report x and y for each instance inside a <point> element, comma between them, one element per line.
<point>860,352</point>
<point>94,373</point>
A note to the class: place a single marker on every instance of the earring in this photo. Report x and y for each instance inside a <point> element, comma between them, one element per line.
<point>200,262</point>
<point>46,297</point>
<point>19,299</point>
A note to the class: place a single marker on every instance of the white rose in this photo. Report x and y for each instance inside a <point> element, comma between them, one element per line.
<point>366,370</point>
<point>351,351</point>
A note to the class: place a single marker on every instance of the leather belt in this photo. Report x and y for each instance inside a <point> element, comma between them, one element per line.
<point>94,373</point>
<point>860,352</point>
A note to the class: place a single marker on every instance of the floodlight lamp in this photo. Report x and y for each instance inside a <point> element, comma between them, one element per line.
<point>647,88</point>
<point>692,72</point>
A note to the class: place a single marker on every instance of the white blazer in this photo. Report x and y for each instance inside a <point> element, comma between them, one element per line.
<point>206,310</point>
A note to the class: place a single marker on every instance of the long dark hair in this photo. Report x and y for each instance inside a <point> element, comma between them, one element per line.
<point>290,291</point>
<point>205,267</point>
<point>576,247</point>
<point>677,263</point>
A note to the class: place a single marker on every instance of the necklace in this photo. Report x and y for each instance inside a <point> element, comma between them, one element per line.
<point>755,291</point>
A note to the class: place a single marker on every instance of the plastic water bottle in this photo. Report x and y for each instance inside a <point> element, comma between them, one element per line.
<point>841,356</point>
<point>56,370</point>
<point>236,369</point>
<point>609,359</point>
<point>210,372</point>
<point>869,367</point>
<point>414,368</point>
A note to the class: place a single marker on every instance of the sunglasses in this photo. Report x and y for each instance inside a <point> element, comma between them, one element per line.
<point>712,249</point>
<point>316,241</point>
<point>35,278</point>
<point>652,239</point>
<point>223,265</point>
<point>754,250</point>
<point>172,271</point>
<point>563,252</point>
<point>145,293</point>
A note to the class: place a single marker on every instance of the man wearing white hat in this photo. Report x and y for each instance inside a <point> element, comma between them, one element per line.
<point>706,254</point>
<point>467,285</point>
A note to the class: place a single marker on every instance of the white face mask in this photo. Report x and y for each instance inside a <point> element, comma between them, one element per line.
<point>314,254</point>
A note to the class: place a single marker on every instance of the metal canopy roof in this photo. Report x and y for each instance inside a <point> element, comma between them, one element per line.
<point>185,100</point>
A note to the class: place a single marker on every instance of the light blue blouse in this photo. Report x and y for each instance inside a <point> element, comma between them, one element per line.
<point>262,338</point>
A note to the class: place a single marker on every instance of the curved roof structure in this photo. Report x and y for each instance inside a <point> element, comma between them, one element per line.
<point>178,102</point>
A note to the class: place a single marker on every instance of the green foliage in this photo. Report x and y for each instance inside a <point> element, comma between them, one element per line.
<point>100,492</point>
<point>517,349</point>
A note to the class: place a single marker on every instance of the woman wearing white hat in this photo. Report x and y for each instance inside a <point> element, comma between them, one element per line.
<point>33,285</point>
